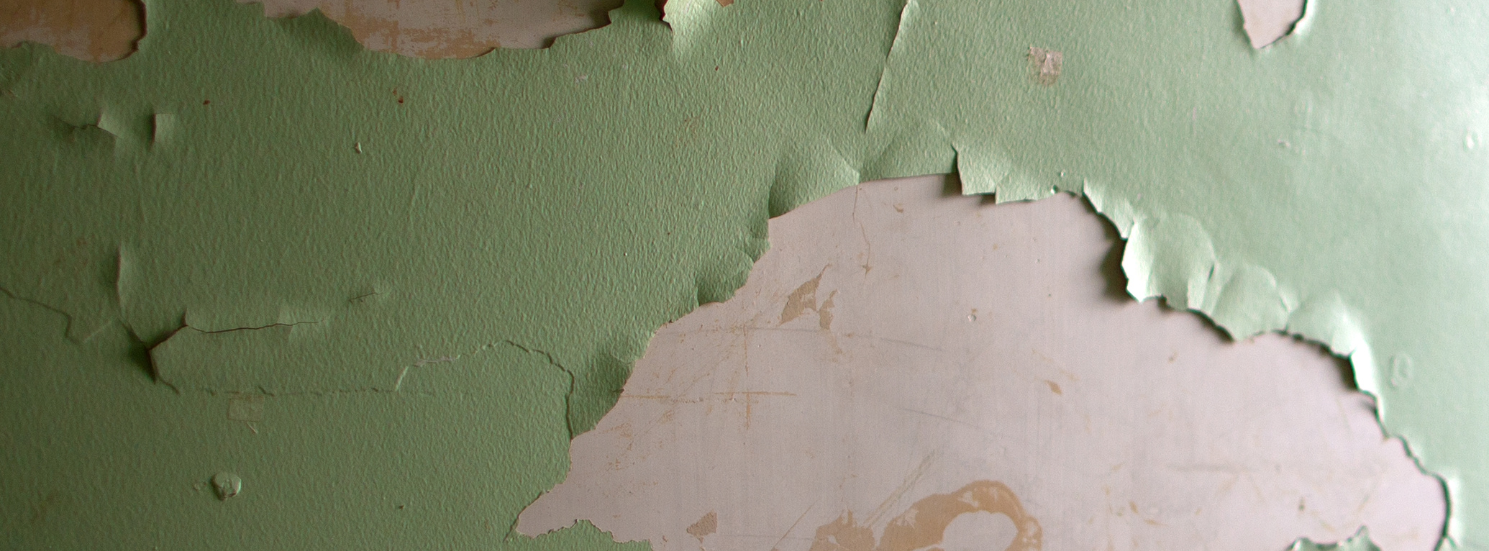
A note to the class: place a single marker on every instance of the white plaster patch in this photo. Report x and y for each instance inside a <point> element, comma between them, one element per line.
<point>975,361</point>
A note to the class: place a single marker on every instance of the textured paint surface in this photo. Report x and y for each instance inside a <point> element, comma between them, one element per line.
<point>251,206</point>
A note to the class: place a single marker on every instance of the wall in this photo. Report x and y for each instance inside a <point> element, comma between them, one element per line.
<point>318,270</point>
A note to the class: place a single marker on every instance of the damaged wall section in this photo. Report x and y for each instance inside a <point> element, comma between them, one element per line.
<point>1336,177</point>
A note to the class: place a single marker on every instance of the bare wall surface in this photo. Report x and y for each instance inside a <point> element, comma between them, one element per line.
<point>897,344</point>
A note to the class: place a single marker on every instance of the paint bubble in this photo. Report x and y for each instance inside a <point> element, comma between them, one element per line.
<point>227,485</point>
<point>1401,371</point>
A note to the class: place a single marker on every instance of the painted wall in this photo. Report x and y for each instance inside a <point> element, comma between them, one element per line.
<point>265,280</point>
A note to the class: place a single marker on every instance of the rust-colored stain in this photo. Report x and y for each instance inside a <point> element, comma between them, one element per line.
<point>725,3</point>
<point>1054,387</point>
<point>92,30</point>
<point>1045,65</point>
<point>705,526</point>
<point>924,523</point>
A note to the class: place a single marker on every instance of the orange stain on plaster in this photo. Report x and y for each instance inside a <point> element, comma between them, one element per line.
<point>91,30</point>
<point>924,523</point>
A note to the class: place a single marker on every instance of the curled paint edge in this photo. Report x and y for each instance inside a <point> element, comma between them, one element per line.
<point>987,168</point>
<point>1171,257</point>
<point>689,19</point>
<point>1358,542</point>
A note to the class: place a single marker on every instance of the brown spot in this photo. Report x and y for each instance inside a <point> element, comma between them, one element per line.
<point>705,526</point>
<point>92,30</point>
<point>1054,387</point>
<point>924,523</point>
<point>725,3</point>
<point>1045,65</point>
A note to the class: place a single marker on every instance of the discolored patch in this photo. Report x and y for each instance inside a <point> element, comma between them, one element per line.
<point>705,526</point>
<point>924,523</point>
<point>1045,65</point>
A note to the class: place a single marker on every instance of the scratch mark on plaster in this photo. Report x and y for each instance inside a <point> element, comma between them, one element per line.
<point>777,545</point>
<point>909,482</point>
<point>849,335</point>
<point>868,258</point>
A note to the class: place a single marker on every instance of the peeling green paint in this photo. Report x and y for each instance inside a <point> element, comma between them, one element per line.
<point>1359,542</point>
<point>435,271</point>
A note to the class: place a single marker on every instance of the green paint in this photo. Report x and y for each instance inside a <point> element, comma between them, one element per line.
<point>432,273</point>
<point>1359,542</point>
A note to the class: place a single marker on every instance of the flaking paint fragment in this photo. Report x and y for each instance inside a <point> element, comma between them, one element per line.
<point>1359,542</point>
<point>1364,223</point>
